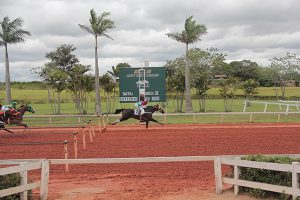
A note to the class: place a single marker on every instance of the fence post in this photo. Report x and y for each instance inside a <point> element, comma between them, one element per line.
<point>266,105</point>
<point>90,132</point>
<point>23,195</point>
<point>278,117</point>
<point>250,119</point>
<point>83,137</point>
<point>93,130</point>
<point>99,123</point>
<point>50,120</point>
<point>222,118</point>
<point>106,119</point>
<point>218,175</point>
<point>287,109</point>
<point>194,118</point>
<point>44,180</point>
<point>79,120</point>
<point>75,144</point>
<point>237,172</point>
<point>103,122</point>
<point>66,154</point>
<point>295,178</point>
<point>245,105</point>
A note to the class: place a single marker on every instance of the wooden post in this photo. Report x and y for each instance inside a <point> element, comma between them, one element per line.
<point>266,105</point>
<point>222,118</point>
<point>93,130</point>
<point>194,118</point>
<point>50,120</point>
<point>75,144</point>
<point>250,119</point>
<point>295,178</point>
<point>237,172</point>
<point>83,137</point>
<point>44,180</point>
<point>103,122</point>
<point>218,175</point>
<point>278,117</point>
<point>23,195</point>
<point>165,118</point>
<point>245,105</point>
<point>99,124</point>
<point>79,120</point>
<point>90,133</point>
<point>66,154</point>
<point>287,110</point>
<point>107,119</point>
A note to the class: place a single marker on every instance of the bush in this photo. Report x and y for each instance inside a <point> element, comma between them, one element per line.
<point>267,176</point>
<point>11,180</point>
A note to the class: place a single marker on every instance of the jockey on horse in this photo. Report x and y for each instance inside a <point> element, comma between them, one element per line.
<point>141,105</point>
<point>12,107</point>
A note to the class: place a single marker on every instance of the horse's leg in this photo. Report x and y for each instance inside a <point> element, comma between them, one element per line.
<point>123,118</point>
<point>154,120</point>
<point>147,124</point>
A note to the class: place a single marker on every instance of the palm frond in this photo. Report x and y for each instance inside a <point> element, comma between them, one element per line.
<point>177,36</point>
<point>87,28</point>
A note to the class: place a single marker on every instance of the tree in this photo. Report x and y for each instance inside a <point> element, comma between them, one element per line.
<point>191,34</point>
<point>11,33</point>
<point>228,91</point>
<point>245,69</point>
<point>175,81</point>
<point>99,25</point>
<point>58,72</point>
<point>249,88</point>
<point>108,87</point>
<point>285,68</point>
<point>202,65</point>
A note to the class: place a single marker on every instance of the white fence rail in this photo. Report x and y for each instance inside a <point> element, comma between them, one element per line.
<point>23,169</point>
<point>233,160</point>
<point>293,168</point>
<point>192,115</point>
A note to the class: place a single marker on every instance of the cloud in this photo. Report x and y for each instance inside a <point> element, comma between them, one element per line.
<point>249,29</point>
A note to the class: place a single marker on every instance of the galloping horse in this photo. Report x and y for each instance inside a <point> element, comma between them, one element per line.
<point>15,116</point>
<point>147,117</point>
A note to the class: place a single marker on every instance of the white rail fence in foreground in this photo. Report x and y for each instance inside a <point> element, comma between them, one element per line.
<point>23,169</point>
<point>294,168</point>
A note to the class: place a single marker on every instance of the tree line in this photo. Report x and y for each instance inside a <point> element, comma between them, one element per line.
<point>196,70</point>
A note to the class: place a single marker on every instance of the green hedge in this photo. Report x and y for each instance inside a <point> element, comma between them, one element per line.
<point>11,180</point>
<point>267,176</point>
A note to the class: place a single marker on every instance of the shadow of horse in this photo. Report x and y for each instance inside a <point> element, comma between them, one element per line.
<point>147,117</point>
<point>15,117</point>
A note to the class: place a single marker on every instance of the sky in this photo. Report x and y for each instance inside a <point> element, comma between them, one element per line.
<point>254,30</point>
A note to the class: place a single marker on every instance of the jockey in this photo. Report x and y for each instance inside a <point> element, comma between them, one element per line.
<point>141,105</point>
<point>13,106</point>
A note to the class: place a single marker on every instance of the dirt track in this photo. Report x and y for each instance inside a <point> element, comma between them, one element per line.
<point>187,180</point>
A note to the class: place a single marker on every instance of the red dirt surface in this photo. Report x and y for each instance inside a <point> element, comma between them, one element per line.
<point>163,181</point>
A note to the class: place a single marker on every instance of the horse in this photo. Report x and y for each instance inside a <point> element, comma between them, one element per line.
<point>4,118</point>
<point>147,117</point>
<point>15,117</point>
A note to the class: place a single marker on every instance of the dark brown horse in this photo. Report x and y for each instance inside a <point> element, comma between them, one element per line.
<point>147,117</point>
<point>15,117</point>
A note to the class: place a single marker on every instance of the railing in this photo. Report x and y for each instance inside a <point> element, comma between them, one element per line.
<point>218,161</point>
<point>293,168</point>
<point>23,169</point>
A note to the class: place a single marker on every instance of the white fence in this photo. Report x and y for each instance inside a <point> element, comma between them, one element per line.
<point>192,115</point>
<point>293,168</point>
<point>218,161</point>
<point>23,169</point>
<point>280,104</point>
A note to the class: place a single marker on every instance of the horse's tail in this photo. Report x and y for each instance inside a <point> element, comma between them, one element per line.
<point>118,111</point>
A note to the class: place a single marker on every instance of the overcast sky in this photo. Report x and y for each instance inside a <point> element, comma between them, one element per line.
<point>243,29</point>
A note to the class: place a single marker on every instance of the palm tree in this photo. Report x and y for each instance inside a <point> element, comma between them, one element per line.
<point>99,25</point>
<point>189,35</point>
<point>11,33</point>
